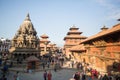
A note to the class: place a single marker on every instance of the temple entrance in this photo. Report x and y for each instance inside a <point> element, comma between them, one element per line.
<point>33,65</point>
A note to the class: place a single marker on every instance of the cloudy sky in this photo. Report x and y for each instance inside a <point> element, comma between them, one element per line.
<point>55,17</point>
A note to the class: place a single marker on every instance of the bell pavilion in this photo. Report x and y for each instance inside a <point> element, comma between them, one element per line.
<point>25,42</point>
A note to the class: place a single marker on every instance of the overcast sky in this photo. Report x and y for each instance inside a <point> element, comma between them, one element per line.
<point>55,17</point>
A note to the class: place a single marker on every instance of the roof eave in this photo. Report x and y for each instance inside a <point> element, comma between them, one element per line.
<point>87,40</point>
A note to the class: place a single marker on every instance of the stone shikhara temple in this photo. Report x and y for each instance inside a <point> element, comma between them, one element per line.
<point>26,42</point>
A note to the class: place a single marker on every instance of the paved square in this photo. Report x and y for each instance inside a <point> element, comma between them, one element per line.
<point>63,74</point>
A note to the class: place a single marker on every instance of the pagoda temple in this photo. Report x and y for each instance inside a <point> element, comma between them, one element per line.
<point>73,38</point>
<point>46,47</point>
<point>25,42</point>
<point>44,44</point>
<point>103,49</point>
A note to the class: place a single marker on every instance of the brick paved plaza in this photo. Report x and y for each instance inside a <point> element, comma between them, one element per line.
<point>63,74</point>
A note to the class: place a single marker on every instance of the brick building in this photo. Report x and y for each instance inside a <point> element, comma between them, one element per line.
<point>103,49</point>
<point>4,47</point>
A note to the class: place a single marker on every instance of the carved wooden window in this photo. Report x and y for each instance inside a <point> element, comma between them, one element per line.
<point>71,40</point>
<point>95,52</point>
<point>117,55</point>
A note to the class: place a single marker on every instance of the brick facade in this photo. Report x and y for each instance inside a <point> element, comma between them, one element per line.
<point>103,49</point>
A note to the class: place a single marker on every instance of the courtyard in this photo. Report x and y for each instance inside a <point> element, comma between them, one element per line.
<point>63,74</point>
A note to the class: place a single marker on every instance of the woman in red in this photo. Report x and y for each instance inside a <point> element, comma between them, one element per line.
<point>49,76</point>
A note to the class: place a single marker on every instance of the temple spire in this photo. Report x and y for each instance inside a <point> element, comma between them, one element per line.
<point>27,18</point>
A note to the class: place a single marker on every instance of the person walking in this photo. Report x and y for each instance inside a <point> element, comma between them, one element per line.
<point>55,67</point>
<point>48,64</point>
<point>83,76</point>
<point>105,77</point>
<point>16,76</point>
<point>49,75</point>
<point>45,75</point>
<point>76,76</point>
<point>43,65</point>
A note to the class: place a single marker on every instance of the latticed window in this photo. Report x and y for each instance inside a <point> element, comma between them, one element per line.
<point>95,52</point>
<point>117,55</point>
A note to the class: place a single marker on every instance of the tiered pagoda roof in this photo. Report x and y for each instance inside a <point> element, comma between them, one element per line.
<point>44,38</point>
<point>74,33</point>
<point>74,30</point>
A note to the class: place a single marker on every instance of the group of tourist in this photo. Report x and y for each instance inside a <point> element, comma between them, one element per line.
<point>93,74</point>
<point>53,62</point>
<point>86,72</point>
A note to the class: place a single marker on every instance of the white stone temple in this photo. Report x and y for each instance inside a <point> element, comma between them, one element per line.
<point>25,42</point>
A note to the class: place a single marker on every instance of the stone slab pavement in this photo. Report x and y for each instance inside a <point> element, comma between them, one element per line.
<point>63,74</point>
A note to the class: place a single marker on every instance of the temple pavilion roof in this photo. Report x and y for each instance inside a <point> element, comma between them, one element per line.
<point>74,33</point>
<point>74,37</point>
<point>44,36</point>
<point>73,28</point>
<point>104,32</point>
<point>32,58</point>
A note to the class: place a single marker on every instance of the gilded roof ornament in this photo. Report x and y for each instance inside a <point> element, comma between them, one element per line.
<point>104,28</point>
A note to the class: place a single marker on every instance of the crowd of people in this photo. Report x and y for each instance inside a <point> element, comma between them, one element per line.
<point>85,72</point>
<point>90,76</point>
<point>52,62</point>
